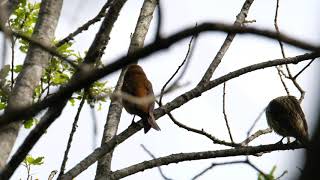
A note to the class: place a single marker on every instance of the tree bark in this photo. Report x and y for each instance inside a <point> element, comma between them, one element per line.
<point>35,63</point>
<point>115,108</point>
<point>6,8</point>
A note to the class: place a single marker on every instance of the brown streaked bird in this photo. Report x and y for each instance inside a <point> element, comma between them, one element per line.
<point>286,118</point>
<point>136,83</point>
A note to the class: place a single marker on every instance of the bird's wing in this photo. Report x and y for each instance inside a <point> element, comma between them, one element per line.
<point>300,126</point>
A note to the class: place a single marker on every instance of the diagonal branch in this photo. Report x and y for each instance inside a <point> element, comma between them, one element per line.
<point>73,130</point>
<point>85,26</point>
<point>241,17</point>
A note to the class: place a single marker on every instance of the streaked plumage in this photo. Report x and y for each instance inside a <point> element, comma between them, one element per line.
<point>286,118</point>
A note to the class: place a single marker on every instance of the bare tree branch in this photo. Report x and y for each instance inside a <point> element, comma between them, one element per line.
<point>224,111</point>
<point>202,132</point>
<point>302,92</point>
<point>85,26</point>
<point>7,7</point>
<point>73,130</point>
<point>180,157</point>
<point>255,122</point>
<point>186,59</point>
<point>154,157</point>
<point>241,17</point>
<point>159,22</point>
<point>255,135</point>
<point>295,77</point>
<point>280,74</point>
<point>214,165</point>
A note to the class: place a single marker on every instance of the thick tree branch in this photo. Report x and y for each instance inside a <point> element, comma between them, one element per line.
<point>205,27</point>
<point>180,157</point>
<point>6,8</point>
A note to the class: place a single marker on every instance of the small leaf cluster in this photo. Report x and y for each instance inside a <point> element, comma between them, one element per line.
<point>4,86</point>
<point>269,176</point>
<point>58,72</point>
<point>30,161</point>
<point>33,161</point>
<point>23,21</point>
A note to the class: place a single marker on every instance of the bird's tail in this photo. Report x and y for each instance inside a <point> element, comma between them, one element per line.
<point>149,123</point>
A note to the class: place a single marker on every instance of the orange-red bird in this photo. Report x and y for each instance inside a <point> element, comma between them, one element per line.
<point>136,83</point>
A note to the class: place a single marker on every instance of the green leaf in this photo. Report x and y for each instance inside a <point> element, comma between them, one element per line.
<point>34,161</point>
<point>60,78</point>
<point>17,68</point>
<point>29,123</point>
<point>72,101</point>
<point>38,161</point>
<point>3,105</point>
<point>4,71</point>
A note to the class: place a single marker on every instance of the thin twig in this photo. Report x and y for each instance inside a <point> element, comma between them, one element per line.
<point>73,130</point>
<point>159,22</point>
<point>186,58</point>
<point>277,29</point>
<point>202,132</point>
<point>214,165</point>
<point>85,26</point>
<point>281,48</point>
<point>154,157</point>
<point>280,73</point>
<point>52,174</point>
<point>12,62</point>
<point>255,122</point>
<point>224,111</point>
<point>257,169</point>
<point>302,92</point>
<point>295,77</point>
<point>94,126</point>
<point>47,47</point>
<point>284,173</point>
<point>255,135</point>
<point>297,85</point>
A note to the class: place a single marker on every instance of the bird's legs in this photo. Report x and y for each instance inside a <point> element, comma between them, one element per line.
<point>280,142</point>
<point>133,123</point>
